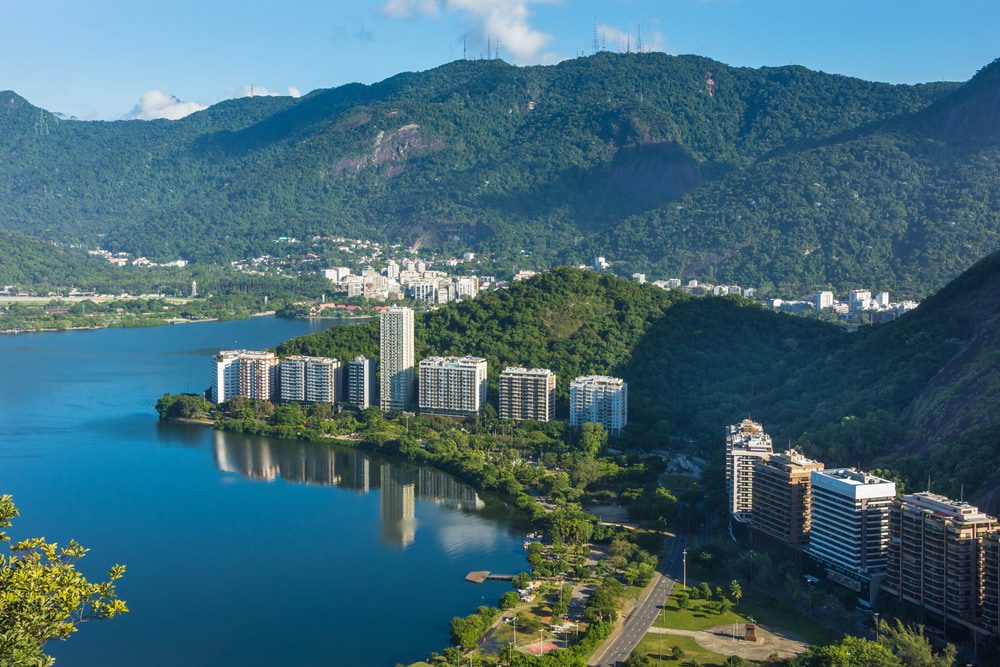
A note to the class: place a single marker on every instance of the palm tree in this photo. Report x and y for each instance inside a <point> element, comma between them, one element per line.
<point>735,591</point>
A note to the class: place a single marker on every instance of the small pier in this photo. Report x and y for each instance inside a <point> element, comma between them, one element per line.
<point>479,576</point>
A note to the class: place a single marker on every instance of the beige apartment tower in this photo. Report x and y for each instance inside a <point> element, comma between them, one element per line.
<point>527,394</point>
<point>396,359</point>
<point>782,499</point>
<point>259,375</point>
<point>936,556</point>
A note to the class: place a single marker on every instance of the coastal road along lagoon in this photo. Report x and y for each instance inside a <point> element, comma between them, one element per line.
<point>646,609</point>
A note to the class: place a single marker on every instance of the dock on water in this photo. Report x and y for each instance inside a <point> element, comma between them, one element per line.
<point>479,576</point>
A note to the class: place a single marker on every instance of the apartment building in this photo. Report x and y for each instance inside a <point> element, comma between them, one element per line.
<point>311,379</point>
<point>247,373</point>
<point>746,442</point>
<point>990,617</point>
<point>452,385</point>
<point>362,385</point>
<point>527,394</point>
<point>936,556</point>
<point>850,524</point>
<point>782,499</point>
<point>600,399</point>
<point>259,375</point>
<point>396,359</point>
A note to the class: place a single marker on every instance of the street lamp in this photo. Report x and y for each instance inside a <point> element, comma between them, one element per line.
<point>875,615</point>
<point>684,556</point>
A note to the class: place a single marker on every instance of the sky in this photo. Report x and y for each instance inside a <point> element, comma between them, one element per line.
<point>111,59</point>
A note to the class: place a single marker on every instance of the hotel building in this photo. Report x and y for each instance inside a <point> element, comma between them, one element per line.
<point>746,442</point>
<point>452,385</point>
<point>782,499</point>
<point>600,399</point>
<point>936,556</point>
<point>527,394</point>
<point>396,359</point>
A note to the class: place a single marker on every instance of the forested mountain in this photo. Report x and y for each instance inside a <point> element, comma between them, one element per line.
<point>908,395</point>
<point>783,177</point>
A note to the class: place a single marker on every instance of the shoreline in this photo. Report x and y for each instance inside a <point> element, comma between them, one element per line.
<point>158,323</point>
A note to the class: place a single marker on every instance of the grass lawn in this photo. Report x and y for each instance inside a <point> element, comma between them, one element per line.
<point>659,648</point>
<point>764,610</point>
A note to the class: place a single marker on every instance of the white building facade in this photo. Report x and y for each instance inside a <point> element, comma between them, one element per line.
<point>362,385</point>
<point>600,399</point>
<point>452,385</point>
<point>746,442</point>
<point>396,359</point>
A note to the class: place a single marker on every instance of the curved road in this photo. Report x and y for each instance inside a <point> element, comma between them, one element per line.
<point>645,611</point>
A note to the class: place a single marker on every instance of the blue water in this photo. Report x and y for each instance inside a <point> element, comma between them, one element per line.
<point>240,550</point>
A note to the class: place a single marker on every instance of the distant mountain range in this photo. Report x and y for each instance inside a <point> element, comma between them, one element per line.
<point>782,178</point>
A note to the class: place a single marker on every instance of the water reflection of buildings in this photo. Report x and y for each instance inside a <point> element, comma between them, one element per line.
<point>313,463</point>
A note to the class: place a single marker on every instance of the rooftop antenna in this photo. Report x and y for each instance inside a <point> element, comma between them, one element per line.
<point>962,494</point>
<point>496,51</point>
<point>928,482</point>
<point>628,43</point>
<point>595,32</point>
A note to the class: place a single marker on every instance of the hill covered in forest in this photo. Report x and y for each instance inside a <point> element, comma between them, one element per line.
<point>783,178</point>
<point>907,395</point>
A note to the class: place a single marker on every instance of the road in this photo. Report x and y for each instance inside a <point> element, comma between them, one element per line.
<point>645,611</point>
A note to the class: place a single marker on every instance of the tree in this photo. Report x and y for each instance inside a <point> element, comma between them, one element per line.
<point>735,591</point>
<point>725,606</point>
<point>683,601</point>
<point>509,600</point>
<point>677,653</point>
<point>850,652</point>
<point>638,660</point>
<point>705,590</point>
<point>43,596</point>
<point>592,438</point>
<point>912,646</point>
<point>719,594</point>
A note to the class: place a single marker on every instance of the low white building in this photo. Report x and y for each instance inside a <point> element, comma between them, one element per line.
<point>452,385</point>
<point>600,399</point>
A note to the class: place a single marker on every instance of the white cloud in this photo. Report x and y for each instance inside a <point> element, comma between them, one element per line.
<point>506,20</point>
<point>260,91</point>
<point>155,104</point>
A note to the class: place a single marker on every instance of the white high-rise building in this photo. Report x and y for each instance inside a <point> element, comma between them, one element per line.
<point>392,269</point>
<point>639,278</point>
<point>452,385</point>
<point>600,399</point>
<point>823,300</point>
<point>225,376</point>
<point>336,274</point>
<point>850,520</point>
<point>860,299</point>
<point>310,379</point>
<point>467,287</point>
<point>396,359</point>
<point>745,443</point>
<point>362,386</point>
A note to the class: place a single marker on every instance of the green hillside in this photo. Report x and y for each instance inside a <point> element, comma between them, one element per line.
<point>784,178</point>
<point>905,394</point>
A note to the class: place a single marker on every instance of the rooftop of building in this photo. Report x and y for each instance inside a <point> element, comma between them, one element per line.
<point>452,361</point>
<point>262,354</point>
<point>597,379</point>
<point>946,507</point>
<point>853,482</point>
<point>793,458</point>
<point>527,371</point>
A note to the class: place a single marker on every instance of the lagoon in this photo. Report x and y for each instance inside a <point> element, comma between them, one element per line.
<point>240,550</point>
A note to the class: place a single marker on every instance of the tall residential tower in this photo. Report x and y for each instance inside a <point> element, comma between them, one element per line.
<point>396,359</point>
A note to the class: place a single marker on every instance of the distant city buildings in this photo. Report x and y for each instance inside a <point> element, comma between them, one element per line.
<point>600,399</point>
<point>362,383</point>
<point>745,443</point>
<point>527,394</point>
<point>452,385</point>
<point>396,374</point>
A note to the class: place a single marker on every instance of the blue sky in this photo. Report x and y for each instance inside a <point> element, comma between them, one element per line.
<point>97,58</point>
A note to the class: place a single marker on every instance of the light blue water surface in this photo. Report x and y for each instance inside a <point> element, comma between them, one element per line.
<point>240,550</point>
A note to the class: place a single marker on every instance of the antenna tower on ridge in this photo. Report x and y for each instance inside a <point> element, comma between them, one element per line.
<point>595,33</point>
<point>638,43</point>
<point>41,126</point>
